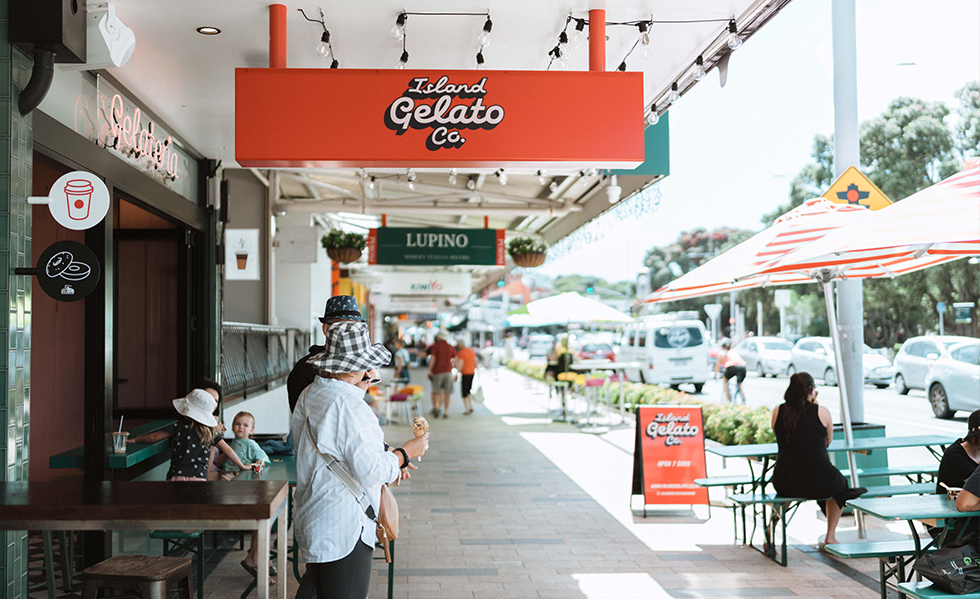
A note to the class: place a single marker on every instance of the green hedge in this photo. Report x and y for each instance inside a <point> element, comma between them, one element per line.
<point>727,424</point>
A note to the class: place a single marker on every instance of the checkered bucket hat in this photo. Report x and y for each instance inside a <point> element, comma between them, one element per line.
<point>349,349</point>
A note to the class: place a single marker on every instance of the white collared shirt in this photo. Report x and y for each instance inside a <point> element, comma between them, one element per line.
<point>328,519</point>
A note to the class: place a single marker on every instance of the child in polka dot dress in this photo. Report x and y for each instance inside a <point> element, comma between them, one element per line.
<point>192,437</point>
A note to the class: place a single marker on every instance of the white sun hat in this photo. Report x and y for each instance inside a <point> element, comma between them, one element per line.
<point>199,406</point>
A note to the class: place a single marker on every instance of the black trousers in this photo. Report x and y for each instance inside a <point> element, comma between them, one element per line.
<point>346,578</point>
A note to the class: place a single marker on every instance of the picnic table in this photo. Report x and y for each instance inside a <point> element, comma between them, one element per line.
<point>597,365</point>
<point>937,507</point>
<point>784,508</point>
<point>150,505</point>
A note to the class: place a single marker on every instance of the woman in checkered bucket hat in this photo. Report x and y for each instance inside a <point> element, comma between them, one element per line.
<point>333,530</point>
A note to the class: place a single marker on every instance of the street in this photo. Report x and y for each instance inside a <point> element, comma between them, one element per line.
<point>901,414</point>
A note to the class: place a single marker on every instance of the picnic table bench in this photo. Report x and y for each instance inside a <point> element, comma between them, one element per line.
<point>925,590</point>
<point>892,558</point>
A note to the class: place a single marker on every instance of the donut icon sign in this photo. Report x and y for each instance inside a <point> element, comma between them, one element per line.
<point>68,271</point>
<point>63,265</point>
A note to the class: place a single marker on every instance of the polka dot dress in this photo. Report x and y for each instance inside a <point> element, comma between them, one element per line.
<point>189,456</point>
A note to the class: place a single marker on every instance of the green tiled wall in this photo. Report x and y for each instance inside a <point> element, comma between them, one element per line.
<point>16,147</point>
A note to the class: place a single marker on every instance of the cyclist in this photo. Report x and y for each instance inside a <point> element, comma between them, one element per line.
<point>734,367</point>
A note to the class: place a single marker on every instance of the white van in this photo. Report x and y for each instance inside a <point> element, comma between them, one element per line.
<point>673,349</point>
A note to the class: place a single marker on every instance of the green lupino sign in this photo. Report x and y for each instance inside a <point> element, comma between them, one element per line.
<point>407,246</point>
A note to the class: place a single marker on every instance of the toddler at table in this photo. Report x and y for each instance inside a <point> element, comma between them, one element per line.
<point>247,449</point>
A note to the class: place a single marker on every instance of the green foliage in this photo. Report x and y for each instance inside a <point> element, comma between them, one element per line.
<point>526,245</point>
<point>968,130</point>
<point>602,288</point>
<point>337,239</point>
<point>727,424</point>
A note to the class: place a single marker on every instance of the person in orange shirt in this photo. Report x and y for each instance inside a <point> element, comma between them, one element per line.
<point>466,365</point>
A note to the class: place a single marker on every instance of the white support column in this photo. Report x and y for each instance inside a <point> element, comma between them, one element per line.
<point>850,299</point>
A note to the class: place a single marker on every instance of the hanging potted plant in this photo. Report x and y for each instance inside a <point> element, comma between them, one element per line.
<point>343,247</point>
<point>527,252</point>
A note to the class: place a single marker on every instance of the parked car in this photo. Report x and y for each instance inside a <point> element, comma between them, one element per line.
<point>953,380</point>
<point>540,345</point>
<point>765,355</point>
<point>916,356</point>
<point>672,348</point>
<point>816,356</point>
<point>597,351</point>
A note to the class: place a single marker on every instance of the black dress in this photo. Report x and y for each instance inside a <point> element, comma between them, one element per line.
<point>955,468</point>
<point>803,467</point>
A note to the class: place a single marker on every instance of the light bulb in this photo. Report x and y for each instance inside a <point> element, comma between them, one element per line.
<point>553,186</point>
<point>541,177</point>
<point>645,39</point>
<point>563,43</point>
<point>411,186</point>
<point>484,39</point>
<point>398,31</point>
<point>403,60</point>
<point>699,69</point>
<point>734,41</point>
<point>471,184</point>
<point>322,50</point>
<point>653,118</point>
<point>576,40</point>
<point>577,35</point>
<point>452,176</point>
<point>673,92</point>
<point>502,176</point>
<point>371,184</point>
<point>411,175</point>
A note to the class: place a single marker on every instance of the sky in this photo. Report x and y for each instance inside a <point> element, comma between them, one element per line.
<point>734,151</point>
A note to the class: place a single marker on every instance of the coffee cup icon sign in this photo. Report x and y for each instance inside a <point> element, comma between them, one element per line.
<point>79,195</point>
<point>241,256</point>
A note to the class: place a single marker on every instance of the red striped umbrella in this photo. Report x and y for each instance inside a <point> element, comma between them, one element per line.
<point>736,268</point>
<point>936,225</point>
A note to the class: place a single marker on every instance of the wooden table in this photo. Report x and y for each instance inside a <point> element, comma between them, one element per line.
<point>149,505</point>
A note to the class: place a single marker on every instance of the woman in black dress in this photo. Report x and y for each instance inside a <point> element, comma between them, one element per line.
<point>803,430</point>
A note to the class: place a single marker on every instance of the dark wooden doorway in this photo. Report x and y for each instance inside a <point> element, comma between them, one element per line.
<point>150,328</point>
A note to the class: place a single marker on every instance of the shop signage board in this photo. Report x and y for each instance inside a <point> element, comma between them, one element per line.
<point>963,311</point>
<point>853,187</point>
<point>78,200</point>
<point>242,254</point>
<point>68,271</point>
<point>427,283</point>
<point>407,246</point>
<point>436,118</point>
<point>669,455</point>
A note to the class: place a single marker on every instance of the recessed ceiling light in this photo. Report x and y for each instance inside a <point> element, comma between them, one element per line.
<point>208,30</point>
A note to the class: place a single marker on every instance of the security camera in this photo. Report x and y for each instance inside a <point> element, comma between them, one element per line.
<point>109,42</point>
<point>613,191</point>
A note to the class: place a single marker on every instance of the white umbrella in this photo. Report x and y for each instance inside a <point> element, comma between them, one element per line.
<point>571,307</point>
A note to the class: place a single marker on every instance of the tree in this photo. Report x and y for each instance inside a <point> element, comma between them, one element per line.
<point>968,130</point>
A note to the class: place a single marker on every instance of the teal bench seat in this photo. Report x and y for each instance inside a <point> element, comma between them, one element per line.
<point>925,590</point>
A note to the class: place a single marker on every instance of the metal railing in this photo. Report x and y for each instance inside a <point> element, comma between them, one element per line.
<point>253,356</point>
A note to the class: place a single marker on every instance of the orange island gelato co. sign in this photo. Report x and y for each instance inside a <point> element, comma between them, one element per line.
<point>375,118</point>
<point>669,455</point>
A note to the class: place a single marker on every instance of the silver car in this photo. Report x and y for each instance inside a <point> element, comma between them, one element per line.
<point>953,380</point>
<point>916,356</point>
<point>816,356</point>
<point>765,355</point>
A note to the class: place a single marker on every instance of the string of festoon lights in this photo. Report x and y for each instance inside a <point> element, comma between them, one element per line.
<point>400,33</point>
<point>558,56</point>
<point>324,49</point>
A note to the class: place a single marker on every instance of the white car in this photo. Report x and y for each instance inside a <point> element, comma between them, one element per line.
<point>540,345</point>
<point>916,356</point>
<point>953,380</point>
<point>816,356</point>
<point>766,355</point>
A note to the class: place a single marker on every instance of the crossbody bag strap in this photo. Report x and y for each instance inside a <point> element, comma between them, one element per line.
<point>340,472</point>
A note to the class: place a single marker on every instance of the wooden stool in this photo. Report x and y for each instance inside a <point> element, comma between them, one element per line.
<point>190,541</point>
<point>148,576</point>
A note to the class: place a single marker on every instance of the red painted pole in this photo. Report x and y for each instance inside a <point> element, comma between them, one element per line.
<point>384,220</point>
<point>277,36</point>
<point>597,39</point>
<point>486,222</point>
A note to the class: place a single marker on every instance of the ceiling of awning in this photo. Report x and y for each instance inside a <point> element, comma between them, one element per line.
<point>187,79</point>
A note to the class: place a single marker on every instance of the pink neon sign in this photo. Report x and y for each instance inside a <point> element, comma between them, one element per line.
<point>126,135</point>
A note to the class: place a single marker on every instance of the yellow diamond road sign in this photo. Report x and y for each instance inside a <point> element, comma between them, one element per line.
<point>852,187</point>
